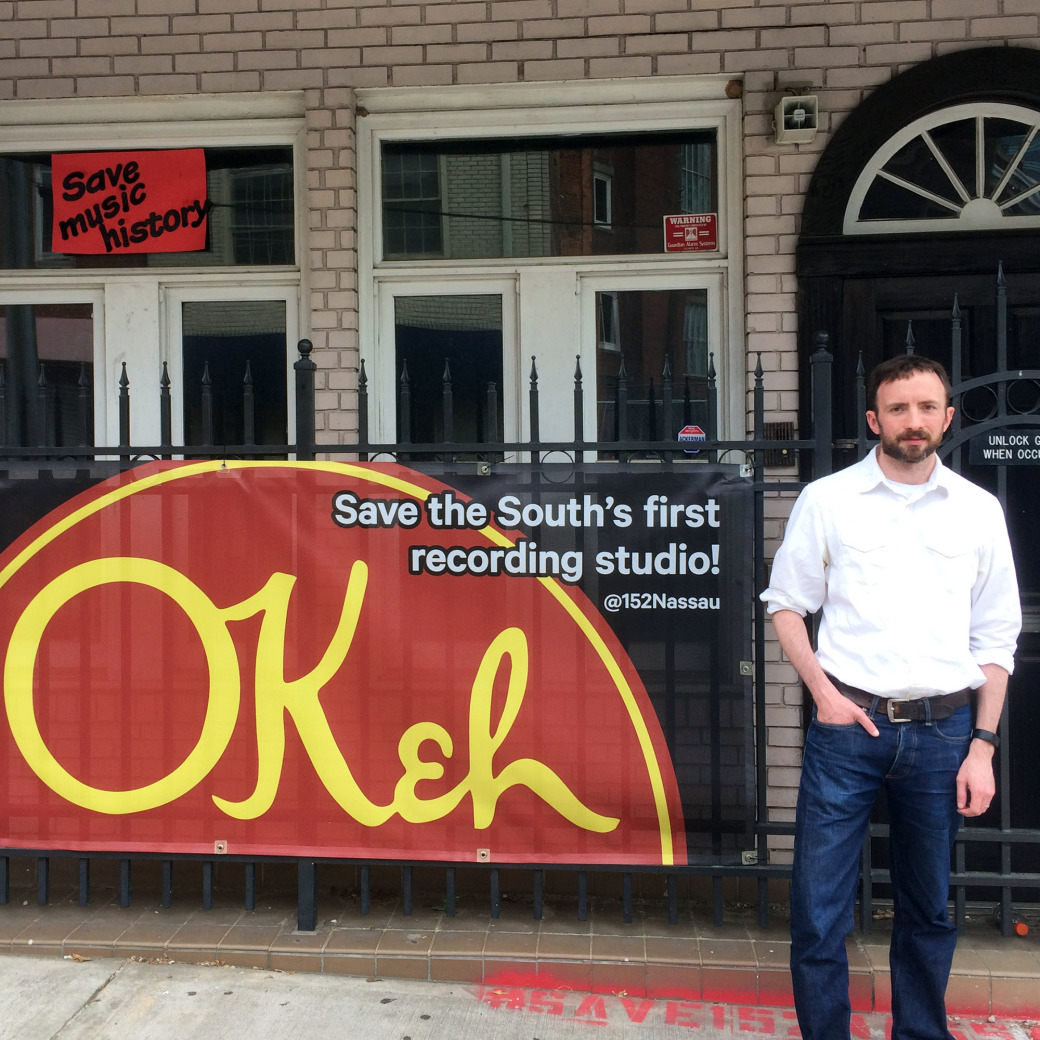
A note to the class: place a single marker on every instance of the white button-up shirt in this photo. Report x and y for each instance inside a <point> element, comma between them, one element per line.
<point>916,582</point>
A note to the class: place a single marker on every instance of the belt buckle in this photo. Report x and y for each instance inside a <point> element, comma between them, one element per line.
<point>890,710</point>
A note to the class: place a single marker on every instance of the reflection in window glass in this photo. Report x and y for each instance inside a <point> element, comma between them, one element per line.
<point>252,220</point>
<point>654,327</point>
<point>56,340</point>
<point>458,337</point>
<point>234,352</point>
<point>531,197</point>
<point>917,164</point>
<point>411,205</point>
<point>978,170</point>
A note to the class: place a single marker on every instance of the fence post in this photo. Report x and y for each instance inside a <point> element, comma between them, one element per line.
<point>821,406</point>
<point>248,407</point>
<point>362,413</point>
<point>532,396</point>
<point>404,406</point>
<point>124,412</point>
<point>447,404</point>
<point>207,405</point>
<point>305,369</point>
<point>761,733</point>
<point>165,413</point>
<point>713,405</point>
<point>86,434</point>
<point>306,892</point>
<point>579,408</point>
<point>43,414</point>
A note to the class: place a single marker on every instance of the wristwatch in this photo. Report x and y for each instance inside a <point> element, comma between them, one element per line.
<point>986,735</point>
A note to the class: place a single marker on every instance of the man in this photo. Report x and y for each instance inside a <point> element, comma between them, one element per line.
<point>912,567</point>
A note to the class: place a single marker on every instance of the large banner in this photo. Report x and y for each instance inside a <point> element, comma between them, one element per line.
<point>359,660</point>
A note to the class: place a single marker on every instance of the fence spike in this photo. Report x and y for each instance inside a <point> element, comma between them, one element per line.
<point>447,405</point>
<point>83,406</point>
<point>165,411</point>
<point>363,410</point>
<point>124,410</point>
<point>207,405</point>
<point>248,406</point>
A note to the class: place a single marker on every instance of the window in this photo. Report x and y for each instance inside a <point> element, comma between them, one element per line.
<point>47,349</point>
<point>602,184</point>
<point>412,201</point>
<point>229,310</point>
<point>608,336</point>
<point>538,197</point>
<point>660,337</point>
<point>563,220</point>
<point>251,219</point>
<point>963,168</point>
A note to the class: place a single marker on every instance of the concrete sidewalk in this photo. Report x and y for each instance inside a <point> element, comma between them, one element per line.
<point>54,998</point>
<point>739,963</point>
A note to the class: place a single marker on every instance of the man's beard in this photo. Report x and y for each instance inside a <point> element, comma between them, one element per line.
<point>896,449</point>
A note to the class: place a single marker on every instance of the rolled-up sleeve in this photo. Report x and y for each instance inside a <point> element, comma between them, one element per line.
<point>798,580</point>
<point>996,610</point>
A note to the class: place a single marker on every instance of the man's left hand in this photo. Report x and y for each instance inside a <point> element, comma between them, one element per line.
<point>976,784</point>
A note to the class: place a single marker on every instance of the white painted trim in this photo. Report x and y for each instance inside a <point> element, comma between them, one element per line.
<point>617,106</point>
<point>465,101</point>
<point>872,170</point>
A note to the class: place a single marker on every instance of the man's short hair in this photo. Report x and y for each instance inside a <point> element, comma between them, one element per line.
<point>903,366</point>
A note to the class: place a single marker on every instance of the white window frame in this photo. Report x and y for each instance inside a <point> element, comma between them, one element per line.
<point>617,106</point>
<point>383,381</point>
<point>624,280</point>
<point>603,175</point>
<point>971,216</point>
<point>130,319</point>
<point>175,296</point>
<point>15,296</point>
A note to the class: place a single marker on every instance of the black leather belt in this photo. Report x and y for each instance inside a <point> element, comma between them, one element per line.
<point>920,709</point>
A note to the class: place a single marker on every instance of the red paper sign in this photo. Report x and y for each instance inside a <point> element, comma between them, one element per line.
<point>261,659</point>
<point>691,232</point>
<point>129,202</point>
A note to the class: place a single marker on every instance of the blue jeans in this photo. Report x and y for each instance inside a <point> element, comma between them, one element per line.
<point>842,771</point>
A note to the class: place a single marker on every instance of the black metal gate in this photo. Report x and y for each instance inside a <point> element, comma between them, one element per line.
<point>764,460</point>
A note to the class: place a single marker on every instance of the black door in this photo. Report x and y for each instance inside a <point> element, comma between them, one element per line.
<point>880,316</point>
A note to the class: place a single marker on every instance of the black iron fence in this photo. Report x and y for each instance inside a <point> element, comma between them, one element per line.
<point>773,466</point>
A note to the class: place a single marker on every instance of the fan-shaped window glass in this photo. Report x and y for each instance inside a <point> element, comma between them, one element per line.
<point>963,168</point>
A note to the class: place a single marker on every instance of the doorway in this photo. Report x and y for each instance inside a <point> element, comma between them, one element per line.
<point>881,281</point>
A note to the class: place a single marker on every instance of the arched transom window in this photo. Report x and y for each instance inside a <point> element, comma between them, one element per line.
<point>963,168</point>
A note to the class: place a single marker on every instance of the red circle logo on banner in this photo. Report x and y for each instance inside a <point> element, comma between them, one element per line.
<point>258,655</point>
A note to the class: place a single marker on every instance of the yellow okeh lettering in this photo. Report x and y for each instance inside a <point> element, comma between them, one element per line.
<point>277,697</point>
<point>221,658</point>
<point>481,782</point>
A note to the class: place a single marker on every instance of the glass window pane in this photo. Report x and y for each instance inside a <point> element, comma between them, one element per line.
<point>234,352</point>
<point>530,197</point>
<point>653,327</point>
<point>59,339</point>
<point>887,201</point>
<point>1004,138</point>
<point>460,336</point>
<point>956,141</point>
<point>251,222</point>
<point>917,164</point>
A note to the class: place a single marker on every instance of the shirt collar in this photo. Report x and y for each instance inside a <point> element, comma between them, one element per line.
<point>872,477</point>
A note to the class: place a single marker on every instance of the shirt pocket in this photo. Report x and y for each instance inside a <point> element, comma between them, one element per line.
<point>954,557</point>
<point>866,549</point>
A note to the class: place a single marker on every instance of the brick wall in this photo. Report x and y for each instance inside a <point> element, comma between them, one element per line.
<point>327,48</point>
